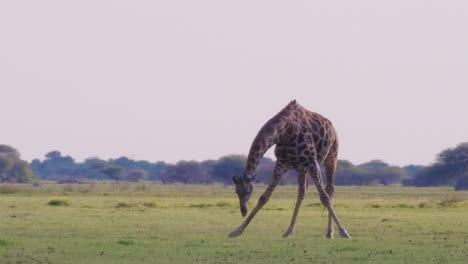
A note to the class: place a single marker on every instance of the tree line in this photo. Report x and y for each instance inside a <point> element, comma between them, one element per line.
<point>450,168</point>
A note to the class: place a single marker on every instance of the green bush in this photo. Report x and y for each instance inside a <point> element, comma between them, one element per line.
<point>59,203</point>
<point>126,242</point>
<point>123,205</point>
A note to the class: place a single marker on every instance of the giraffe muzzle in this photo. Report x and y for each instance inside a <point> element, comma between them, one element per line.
<point>244,209</point>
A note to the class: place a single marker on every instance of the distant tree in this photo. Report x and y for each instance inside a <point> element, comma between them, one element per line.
<point>36,167</point>
<point>123,162</point>
<point>116,173</point>
<point>6,165</point>
<point>184,172</point>
<point>411,170</point>
<point>130,164</point>
<point>462,182</point>
<point>390,175</point>
<point>55,166</point>
<point>53,155</point>
<point>455,160</point>
<point>143,165</point>
<point>155,170</point>
<point>9,151</point>
<point>136,175</point>
<point>348,174</point>
<point>21,172</point>
<point>380,172</point>
<point>451,164</point>
<point>207,166</point>
<point>12,168</point>
<point>96,163</point>
<point>91,168</point>
<point>430,176</point>
<point>374,164</point>
<point>228,166</point>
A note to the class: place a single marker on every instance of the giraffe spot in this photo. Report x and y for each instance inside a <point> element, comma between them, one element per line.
<point>301,148</point>
<point>300,138</point>
<point>314,127</point>
<point>322,132</point>
<point>316,138</point>
<point>318,145</point>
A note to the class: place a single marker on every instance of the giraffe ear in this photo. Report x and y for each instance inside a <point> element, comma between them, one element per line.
<point>236,179</point>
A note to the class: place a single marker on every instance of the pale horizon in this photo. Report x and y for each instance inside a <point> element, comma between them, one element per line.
<point>186,80</point>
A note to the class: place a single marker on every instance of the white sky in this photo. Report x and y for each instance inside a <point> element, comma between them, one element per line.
<point>173,80</point>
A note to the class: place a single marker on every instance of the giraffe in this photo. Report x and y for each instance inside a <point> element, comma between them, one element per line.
<point>303,140</point>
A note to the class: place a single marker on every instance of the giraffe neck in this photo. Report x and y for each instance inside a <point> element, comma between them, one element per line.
<point>269,135</point>
<point>265,139</point>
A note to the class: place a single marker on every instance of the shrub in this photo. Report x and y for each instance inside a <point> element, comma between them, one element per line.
<point>424,205</point>
<point>224,204</point>
<point>59,203</point>
<point>3,243</point>
<point>451,201</point>
<point>123,205</point>
<point>126,242</point>
<point>202,205</point>
<point>150,204</point>
<point>142,188</point>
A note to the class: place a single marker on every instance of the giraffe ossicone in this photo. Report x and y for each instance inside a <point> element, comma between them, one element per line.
<point>303,140</point>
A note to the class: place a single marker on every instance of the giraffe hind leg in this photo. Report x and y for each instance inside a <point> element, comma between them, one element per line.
<point>330,168</point>
<point>325,199</point>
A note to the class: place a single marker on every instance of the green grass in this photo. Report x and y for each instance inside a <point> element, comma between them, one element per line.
<point>190,223</point>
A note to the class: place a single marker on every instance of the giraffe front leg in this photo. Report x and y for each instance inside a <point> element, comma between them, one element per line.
<point>300,197</point>
<point>236,232</point>
<point>261,202</point>
<point>277,174</point>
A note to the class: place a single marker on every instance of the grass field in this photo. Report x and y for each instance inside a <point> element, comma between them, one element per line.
<point>152,223</point>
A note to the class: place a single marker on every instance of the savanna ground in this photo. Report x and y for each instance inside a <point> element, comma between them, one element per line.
<point>152,223</point>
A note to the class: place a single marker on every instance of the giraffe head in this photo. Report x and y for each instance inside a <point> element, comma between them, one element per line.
<point>244,189</point>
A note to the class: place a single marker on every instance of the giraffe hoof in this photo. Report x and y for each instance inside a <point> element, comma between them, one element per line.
<point>288,233</point>
<point>344,233</point>
<point>236,232</point>
<point>329,234</point>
